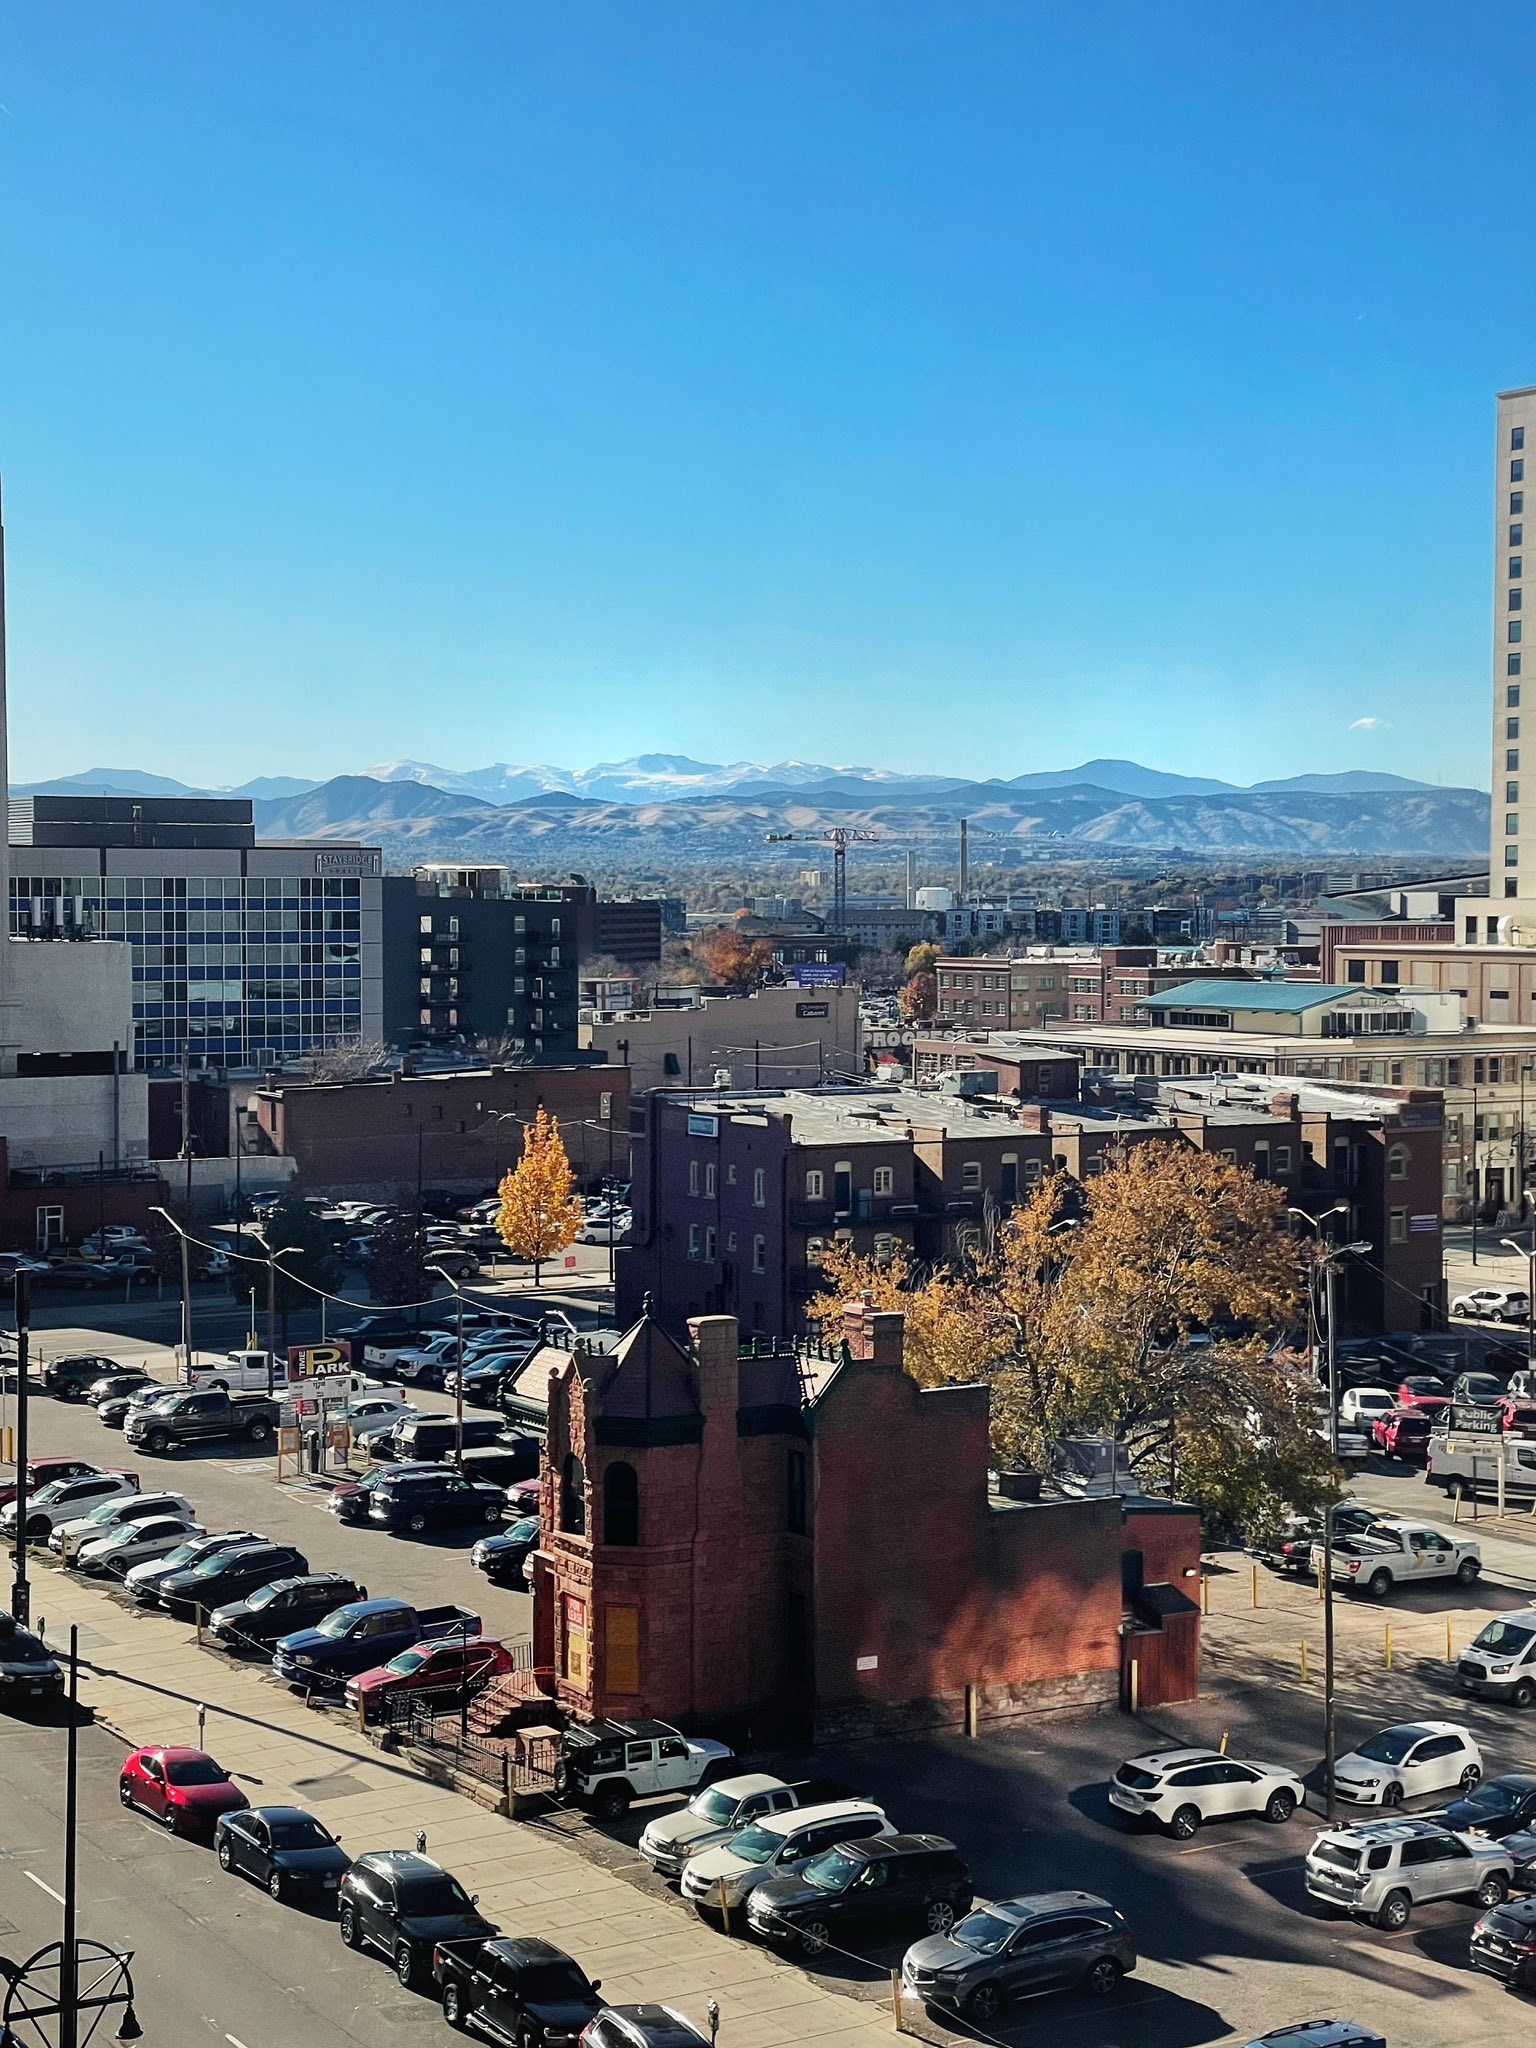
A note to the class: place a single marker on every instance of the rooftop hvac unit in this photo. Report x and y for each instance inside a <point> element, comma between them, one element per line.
<point>1087,1464</point>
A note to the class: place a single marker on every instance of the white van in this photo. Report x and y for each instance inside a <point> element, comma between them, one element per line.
<point>1500,1663</point>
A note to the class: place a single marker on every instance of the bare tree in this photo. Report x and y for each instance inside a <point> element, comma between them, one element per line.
<point>348,1059</point>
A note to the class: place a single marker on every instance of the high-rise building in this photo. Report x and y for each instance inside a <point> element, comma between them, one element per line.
<point>1513,851</point>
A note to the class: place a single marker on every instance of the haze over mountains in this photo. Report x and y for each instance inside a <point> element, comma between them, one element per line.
<point>668,805</point>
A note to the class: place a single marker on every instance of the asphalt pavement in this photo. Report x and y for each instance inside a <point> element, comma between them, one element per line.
<point>213,1959</point>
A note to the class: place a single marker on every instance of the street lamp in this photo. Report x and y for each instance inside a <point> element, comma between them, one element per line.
<point>1329,1258</point>
<point>186,1289</point>
<point>458,1377</point>
<point>288,1250</point>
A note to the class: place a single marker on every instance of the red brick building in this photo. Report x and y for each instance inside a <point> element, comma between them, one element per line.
<point>758,1537</point>
<point>46,1208</point>
<point>460,1129</point>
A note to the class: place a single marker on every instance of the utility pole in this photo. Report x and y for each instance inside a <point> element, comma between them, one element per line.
<point>1333,1445</point>
<point>69,1959</point>
<point>21,1591</point>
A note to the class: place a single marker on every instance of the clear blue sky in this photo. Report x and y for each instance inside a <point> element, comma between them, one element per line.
<point>961,386</point>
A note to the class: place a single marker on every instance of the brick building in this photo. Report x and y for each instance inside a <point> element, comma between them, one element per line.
<point>764,1540</point>
<point>460,1130</point>
<point>1032,990</point>
<point>45,1208</point>
<point>737,1195</point>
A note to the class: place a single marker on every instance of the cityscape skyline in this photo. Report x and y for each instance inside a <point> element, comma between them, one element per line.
<point>708,383</point>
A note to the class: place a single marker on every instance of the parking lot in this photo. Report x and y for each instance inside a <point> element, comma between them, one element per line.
<point>1230,1942</point>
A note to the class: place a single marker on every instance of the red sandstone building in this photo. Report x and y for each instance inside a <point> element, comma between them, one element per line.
<point>778,1542</point>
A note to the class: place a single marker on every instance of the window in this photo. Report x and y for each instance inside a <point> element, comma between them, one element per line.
<point>1512,668</point>
<point>1397,1162</point>
<point>1513,633</point>
<point>1517,471</point>
<point>1516,600</point>
<point>1511,860</point>
<point>1516,536</point>
<point>1397,1226</point>
<point>709,1244</point>
<point>970,1174</point>
<point>1514,565</point>
<point>621,1649</point>
<point>1512,696</point>
<point>759,1259</point>
<point>1282,1159</point>
<point>693,1176</point>
<point>885,1247</point>
<point>1355,970</point>
<point>795,1494</point>
<point>573,1496</point>
<point>885,1180</point>
<point>1512,761</point>
<point>621,1506</point>
<point>1511,728</point>
<point>759,1188</point>
<point>709,1177</point>
<point>815,1185</point>
<point>693,1240</point>
<point>1512,823</point>
<point>1008,1185</point>
<point>1511,792</point>
<point>1517,437</point>
<point>1387,973</point>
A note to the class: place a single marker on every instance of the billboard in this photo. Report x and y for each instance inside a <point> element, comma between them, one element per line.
<point>825,976</point>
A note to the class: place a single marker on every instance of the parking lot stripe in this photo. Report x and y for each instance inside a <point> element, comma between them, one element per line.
<point>43,1887</point>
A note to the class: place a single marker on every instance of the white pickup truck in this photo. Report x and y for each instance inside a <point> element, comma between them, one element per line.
<point>1393,1553</point>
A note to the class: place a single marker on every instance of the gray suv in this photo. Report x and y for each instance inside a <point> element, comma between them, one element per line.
<point>1053,1940</point>
<point>1382,1869</point>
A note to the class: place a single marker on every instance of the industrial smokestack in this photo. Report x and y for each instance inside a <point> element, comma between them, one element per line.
<point>911,878</point>
<point>965,862</point>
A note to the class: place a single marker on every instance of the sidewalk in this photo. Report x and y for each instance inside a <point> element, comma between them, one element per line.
<point>283,1752</point>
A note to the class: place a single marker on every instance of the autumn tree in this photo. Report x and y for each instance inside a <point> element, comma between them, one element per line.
<point>922,959</point>
<point>1143,1305</point>
<point>919,998</point>
<point>731,959</point>
<point>540,1214</point>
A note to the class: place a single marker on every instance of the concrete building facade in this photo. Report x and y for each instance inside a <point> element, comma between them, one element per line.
<point>786,1037</point>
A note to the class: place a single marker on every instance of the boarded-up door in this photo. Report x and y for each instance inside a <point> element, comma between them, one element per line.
<point>621,1649</point>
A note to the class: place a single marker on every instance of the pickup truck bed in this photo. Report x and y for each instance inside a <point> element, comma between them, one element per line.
<point>365,1634</point>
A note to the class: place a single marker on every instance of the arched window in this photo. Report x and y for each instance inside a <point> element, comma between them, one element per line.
<point>621,1505</point>
<point>1397,1163</point>
<point>573,1496</point>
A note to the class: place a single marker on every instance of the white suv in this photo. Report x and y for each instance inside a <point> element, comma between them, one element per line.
<point>775,1846</point>
<point>1180,1788</point>
<point>1498,1304</point>
<point>1381,1870</point>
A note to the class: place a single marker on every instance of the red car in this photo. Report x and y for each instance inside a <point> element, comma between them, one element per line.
<point>456,1669</point>
<point>1519,1417</point>
<point>183,1789</point>
<point>1425,1393</point>
<point>1404,1434</point>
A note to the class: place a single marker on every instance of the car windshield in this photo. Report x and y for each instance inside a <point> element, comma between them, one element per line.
<point>50,1493</point>
<point>523,1531</point>
<point>21,1648</point>
<point>547,1982</point>
<point>1505,1638</point>
<point>108,1511</point>
<point>1390,1747</point>
<point>221,1560</point>
<point>985,1932</point>
<point>1423,1384</point>
<point>833,1871</point>
<point>1337,1855</point>
<point>1497,1798</point>
<point>713,1805</point>
<point>407,1662</point>
<point>302,1833</point>
<point>756,1845</point>
<point>194,1770</point>
<point>432,1897</point>
<point>1481,1383</point>
<point>184,1553</point>
<point>336,1624</point>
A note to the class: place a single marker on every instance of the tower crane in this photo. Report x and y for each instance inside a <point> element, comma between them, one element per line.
<point>839,838</point>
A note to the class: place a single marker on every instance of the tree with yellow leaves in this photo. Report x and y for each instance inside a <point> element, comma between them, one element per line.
<point>539,1213</point>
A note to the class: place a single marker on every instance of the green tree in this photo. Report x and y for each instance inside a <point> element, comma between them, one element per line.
<point>396,1266</point>
<point>292,1228</point>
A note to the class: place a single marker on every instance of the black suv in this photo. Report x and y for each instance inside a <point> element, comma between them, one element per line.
<point>517,1989</point>
<point>68,1378</point>
<point>887,1884</point>
<point>404,1905</point>
<point>416,1501</point>
<point>430,1437</point>
<point>282,1608</point>
<point>229,1575</point>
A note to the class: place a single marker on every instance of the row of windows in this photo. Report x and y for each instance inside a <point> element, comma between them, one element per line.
<point>702,1182</point>
<point>703,1244</point>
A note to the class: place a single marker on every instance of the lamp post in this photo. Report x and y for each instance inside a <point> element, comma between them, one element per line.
<point>21,1590</point>
<point>1475,1190</point>
<point>186,1287</point>
<point>458,1377</point>
<point>1330,1256</point>
<point>272,1258</point>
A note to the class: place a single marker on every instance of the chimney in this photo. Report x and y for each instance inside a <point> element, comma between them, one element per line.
<point>1035,1116</point>
<point>875,1334</point>
<point>912,879</point>
<point>1286,1106</point>
<point>714,1342</point>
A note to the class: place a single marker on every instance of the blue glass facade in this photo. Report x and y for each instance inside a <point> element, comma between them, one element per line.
<point>239,968</point>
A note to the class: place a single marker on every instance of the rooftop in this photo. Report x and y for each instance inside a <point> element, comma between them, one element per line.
<point>1285,998</point>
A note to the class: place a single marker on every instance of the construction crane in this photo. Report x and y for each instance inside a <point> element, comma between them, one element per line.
<point>839,838</point>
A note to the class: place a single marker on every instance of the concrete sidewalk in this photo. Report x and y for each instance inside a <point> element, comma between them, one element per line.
<point>145,1680</point>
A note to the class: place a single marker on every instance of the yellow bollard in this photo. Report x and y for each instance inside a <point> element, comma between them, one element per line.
<point>1389,1646</point>
<point>1255,1585</point>
<point>725,1907</point>
<point>896,1999</point>
<point>1226,1737</point>
<point>1450,1655</point>
<point>1305,1676</point>
<point>1205,1593</point>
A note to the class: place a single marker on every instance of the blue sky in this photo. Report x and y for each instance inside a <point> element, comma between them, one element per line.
<point>958,386</point>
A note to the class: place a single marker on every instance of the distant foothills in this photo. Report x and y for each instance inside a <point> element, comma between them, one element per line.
<point>667,805</point>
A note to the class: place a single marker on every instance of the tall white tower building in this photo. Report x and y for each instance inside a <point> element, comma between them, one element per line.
<point>1512,866</point>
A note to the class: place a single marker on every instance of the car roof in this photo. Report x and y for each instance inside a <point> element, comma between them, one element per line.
<point>877,1846</point>
<point>655,2020</point>
<point>176,1752</point>
<point>812,1816</point>
<point>627,1731</point>
<point>400,1863</point>
<point>1031,1905</point>
<point>748,1783</point>
<point>279,1813</point>
<point>526,1948</point>
<point>1411,1829</point>
<point>1173,1759</point>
